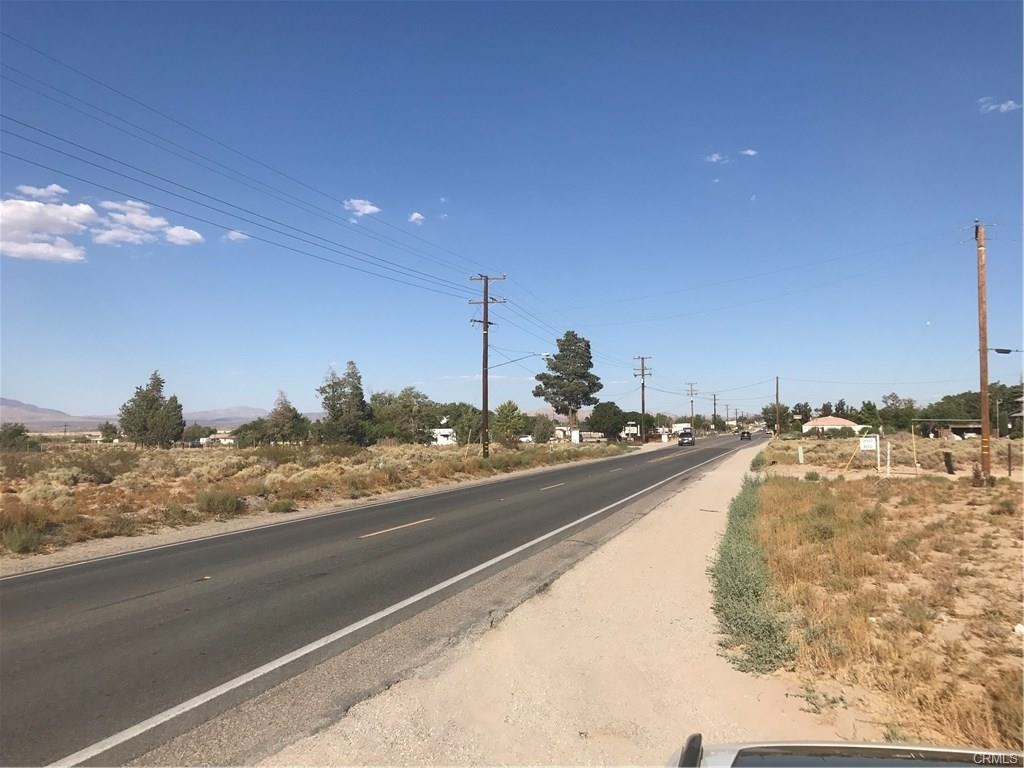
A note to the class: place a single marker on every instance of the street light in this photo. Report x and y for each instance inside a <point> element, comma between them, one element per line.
<point>1003,350</point>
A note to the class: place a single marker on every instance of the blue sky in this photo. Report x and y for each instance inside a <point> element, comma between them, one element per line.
<point>738,191</point>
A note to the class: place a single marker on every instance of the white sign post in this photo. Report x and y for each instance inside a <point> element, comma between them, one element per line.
<point>871,443</point>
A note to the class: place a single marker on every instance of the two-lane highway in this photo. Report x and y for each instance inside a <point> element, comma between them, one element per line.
<point>90,650</point>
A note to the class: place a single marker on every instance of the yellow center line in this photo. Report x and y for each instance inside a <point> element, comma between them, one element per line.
<point>397,527</point>
<point>549,487</point>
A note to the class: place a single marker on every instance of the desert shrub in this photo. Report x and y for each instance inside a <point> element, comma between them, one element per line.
<point>742,594</point>
<point>217,502</point>
<point>176,514</point>
<point>20,465</point>
<point>22,537</point>
<point>282,505</point>
<point>757,462</point>
<point>812,476</point>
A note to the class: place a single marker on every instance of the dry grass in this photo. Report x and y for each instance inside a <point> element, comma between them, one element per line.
<point>70,493</point>
<point>835,454</point>
<point>910,588</point>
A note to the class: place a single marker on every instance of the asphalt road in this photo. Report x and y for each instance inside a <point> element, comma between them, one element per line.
<point>90,650</point>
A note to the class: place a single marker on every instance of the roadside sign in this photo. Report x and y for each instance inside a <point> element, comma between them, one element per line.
<point>869,443</point>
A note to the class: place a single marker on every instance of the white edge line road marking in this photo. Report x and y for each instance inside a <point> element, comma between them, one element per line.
<point>428,494</point>
<point>617,469</point>
<point>396,528</point>
<point>549,487</point>
<point>196,701</point>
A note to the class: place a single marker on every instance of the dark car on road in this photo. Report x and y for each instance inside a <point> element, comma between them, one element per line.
<point>686,437</point>
<point>744,435</point>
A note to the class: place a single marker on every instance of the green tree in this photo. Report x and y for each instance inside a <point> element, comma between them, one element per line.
<point>467,421</point>
<point>804,411</point>
<point>253,433</point>
<point>785,416</point>
<point>897,412</point>
<point>608,419</point>
<point>14,437</point>
<point>407,416</point>
<point>108,432</point>
<point>194,432</point>
<point>167,424</point>
<point>508,423</point>
<point>664,420</point>
<point>543,429</point>
<point>149,418</point>
<point>284,422</point>
<point>868,414</point>
<point>825,409</point>
<point>569,384</point>
<point>841,408</point>
<point>347,415</point>
<point>647,419</point>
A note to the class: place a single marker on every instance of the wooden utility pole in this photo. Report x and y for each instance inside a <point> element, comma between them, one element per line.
<point>986,420</point>
<point>778,409</point>
<point>714,411</point>
<point>485,435</point>
<point>643,373</point>
<point>691,385</point>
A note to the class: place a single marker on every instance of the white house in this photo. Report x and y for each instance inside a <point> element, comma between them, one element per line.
<point>443,436</point>
<point>827,423</point>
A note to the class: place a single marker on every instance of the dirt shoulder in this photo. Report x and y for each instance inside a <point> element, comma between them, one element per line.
<point>615,663</point>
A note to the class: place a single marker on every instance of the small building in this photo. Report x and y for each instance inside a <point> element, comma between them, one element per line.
<point>830,424</point>
<point>443,436</point>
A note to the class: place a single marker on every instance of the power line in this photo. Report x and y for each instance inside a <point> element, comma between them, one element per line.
<point>246,180</point>
<point>339,248</point>
<point>226,227</point>
<point>206,136</point>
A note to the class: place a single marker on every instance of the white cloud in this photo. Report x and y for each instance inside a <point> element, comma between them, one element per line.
<point>444,215</point>
<point>360,207</point>
<point>352,220</point>
<point>32,229</point>
<point>116,235</point>
<point>179,235</point>
<point>135,215</point>
<point>988,104</point>
<point>444,199</point>
<point>716,180</point>
<point>715,157</point>
<point>748,152</point>
<point>236,236</point>
<point>47,194</point>
<point>416,217</point>
<point>38,229</point>
<point>753,198</point>
<point>57,249</point>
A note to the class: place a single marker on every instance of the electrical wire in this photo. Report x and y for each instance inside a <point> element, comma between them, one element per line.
<point>223,170</point>
<point>339,248</point>
<point>226,227</point>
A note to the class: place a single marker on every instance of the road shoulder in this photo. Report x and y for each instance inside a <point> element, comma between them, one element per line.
<point>614,663</point>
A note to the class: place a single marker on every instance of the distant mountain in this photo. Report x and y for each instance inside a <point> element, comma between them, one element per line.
<point>49,419</point>
<point>225,417</point>
<point>15,410</point>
